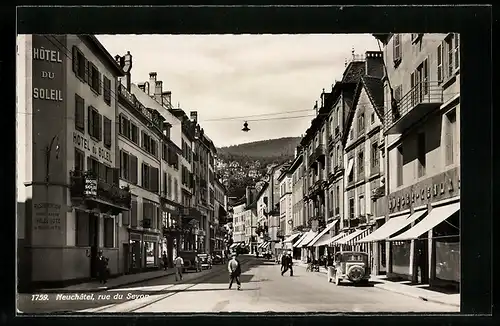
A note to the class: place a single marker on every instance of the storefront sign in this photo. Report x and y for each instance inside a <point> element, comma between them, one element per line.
<point>442,186</point>
<point>89,146</point>
<point>150,238</point>
<point>135,237</point>
<point>47,216</point>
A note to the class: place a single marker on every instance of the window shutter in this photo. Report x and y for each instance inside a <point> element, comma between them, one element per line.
<point>133,213</point>
<point>89,163</point>
<point>75,60</point>
<point>100,84</point>
<point>99,121</point>
<point>154,179</point>
<point>133,169</point>
<point>440,63</point>
<point>90,121</point>
<point>88,72</point>
<point>143,140</point>
<point>444,57</point>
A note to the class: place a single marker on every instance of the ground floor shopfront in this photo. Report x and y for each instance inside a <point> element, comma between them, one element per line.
<point>422,242</point>
<point>143,251</point>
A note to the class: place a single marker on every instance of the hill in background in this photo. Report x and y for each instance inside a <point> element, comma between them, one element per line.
<point>266,148</point>
<point>245,164</point>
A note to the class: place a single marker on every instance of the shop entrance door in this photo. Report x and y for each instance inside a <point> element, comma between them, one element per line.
<point>421,258</point>
<point>94,243</point>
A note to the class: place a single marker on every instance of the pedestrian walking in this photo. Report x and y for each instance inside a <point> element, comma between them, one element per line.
<point>165,260</point>
<point>288,262</point>
<point>179,265</point>
<point>283,263</point>
<point>102,268</point>
<point>234,268</point>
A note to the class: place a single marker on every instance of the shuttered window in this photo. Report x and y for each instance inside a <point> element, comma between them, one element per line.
<point>79,113</point>
<point>133,169</point>
<point>79,64</point>
<point>94,79</point>
<point>440,63</point>
<point>421,159</point>
<point>154,184</point>
<point>107,90</point>
<point>107,132</point>
<point>145,176</point>
<point>133,213</point>
<point>164,191</point>
<point>397,48</point>
<point>94,123</point>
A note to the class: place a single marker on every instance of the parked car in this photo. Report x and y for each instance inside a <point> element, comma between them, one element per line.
<point>191,261</point>
<point>352,266</point>
<point>205,261</point>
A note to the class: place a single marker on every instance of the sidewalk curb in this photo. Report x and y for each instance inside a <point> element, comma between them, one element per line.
<point>380,286</point>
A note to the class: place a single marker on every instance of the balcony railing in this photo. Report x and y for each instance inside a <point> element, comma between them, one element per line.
<point>86,185</point>
<point>422,99</point>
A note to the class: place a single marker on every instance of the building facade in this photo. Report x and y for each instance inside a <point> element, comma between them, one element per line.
<point>422,142</point>
<point>363,157</point>
<point>68,205</point>
<point>239,223</point>
<point>286,221</point>
<point>220,216</point>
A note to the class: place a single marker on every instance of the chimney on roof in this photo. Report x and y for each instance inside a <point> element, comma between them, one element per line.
<point>159,91</point>
<point>323,98</point>
<point>152,83</point>
<point>374,64</point>
<point>194,116</point>
<point>316,107</point>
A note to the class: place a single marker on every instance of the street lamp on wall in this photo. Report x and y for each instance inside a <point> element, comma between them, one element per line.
<point>48,150</point>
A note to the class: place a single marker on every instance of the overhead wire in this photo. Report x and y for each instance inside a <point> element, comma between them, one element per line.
<point>272,116</point>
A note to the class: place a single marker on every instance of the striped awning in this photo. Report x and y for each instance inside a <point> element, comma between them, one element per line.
<point>292,237</point>
<point>264,245</point>
<point>323,234</point>
<point>353,237</point>
<point>296,244</point>
<point>307,240</point>
<point>329,241</point>
<point>236,244</point>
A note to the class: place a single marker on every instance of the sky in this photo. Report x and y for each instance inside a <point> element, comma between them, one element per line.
<point>258,78</point>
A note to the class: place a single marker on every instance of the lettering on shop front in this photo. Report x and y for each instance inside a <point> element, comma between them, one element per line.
<point>47,216</point>
<point>426,193</point>
<point>89,146</point>
<point>52,56</point>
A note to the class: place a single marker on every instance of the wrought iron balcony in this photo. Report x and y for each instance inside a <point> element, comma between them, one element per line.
<point>89,187</point>
<point>421,100</point>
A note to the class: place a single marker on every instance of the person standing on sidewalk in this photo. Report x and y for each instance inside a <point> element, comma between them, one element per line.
<point>234,269</point>
<point>165,260</point>
<point>179,265</point>
<point>103,268</point>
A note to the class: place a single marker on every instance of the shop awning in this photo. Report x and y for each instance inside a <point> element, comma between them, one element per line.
<point>323,234</point>
<point>392,226</point>
<point>265,245</point>
<point>292,237</point>
<point>436,216</point>
<point>350,239</point>
<point>307,240</point>
<point>296,244</point>
<point>329,241</point>
<point>350,164</point>
<point>236,244</point>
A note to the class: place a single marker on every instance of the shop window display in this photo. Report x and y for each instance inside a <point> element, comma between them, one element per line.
<point>150,253</point>
<point>135,253</point>
<point>401,257</point>
<point>447,246</point>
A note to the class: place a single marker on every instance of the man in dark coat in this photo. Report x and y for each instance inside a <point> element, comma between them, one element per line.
<point>103,268</point>
<point>234,268</point>
<point>288,264</point>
